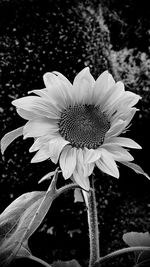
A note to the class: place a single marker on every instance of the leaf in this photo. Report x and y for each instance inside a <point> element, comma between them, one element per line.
<point>145,263</point>
<point>134,239</point>
<point>19,221</point>
<point>10,137</point>
<point>24,251</point>
<point>72,263</point>
<point>48,176</point>
<point>10,230</point>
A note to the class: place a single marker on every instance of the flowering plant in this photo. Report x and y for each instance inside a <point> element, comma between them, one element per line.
<point>79,125</point>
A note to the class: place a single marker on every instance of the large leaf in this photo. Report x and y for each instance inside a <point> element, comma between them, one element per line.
<point>19,221</point>
<point>134,239</point>
<point>143,259</point>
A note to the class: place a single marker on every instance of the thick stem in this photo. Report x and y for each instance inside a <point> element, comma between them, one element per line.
<point>93,227</point>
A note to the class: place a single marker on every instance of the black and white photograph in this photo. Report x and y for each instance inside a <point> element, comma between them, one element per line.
<point>75,133</point>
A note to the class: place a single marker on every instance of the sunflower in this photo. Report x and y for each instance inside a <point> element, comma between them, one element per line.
<point>79,124</point>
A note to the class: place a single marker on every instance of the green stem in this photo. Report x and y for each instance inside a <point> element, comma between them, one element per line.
<point>118,253</point>
<point>93,227</point>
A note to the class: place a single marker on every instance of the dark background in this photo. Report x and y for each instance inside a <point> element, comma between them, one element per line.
<point>37,36</point>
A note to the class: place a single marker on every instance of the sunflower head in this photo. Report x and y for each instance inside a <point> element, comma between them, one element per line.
<point>79,124</point>
<point>83,125</point>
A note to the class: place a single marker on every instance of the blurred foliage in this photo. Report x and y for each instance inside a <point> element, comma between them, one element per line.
<point>133,66</point>
<point>38,36</point>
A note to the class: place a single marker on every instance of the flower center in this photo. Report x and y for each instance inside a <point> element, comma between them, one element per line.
<point>83,126</point>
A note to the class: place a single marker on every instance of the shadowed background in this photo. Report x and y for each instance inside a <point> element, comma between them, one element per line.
<point>39,36</point>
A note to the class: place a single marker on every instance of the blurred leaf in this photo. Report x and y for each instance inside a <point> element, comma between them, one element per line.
<point>133,239</point>
<point>143,258</point>
<point>72,263</point>
<point>19,221</point>
<point>12,225</point>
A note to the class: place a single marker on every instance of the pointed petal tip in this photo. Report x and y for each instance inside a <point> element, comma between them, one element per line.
<point>31,149</point>
<point>13,102</point>
<point>35,159</point>
<point>25,137</point>
<point>146,175</point>
<point>32,160</point>
<point>138,147</point>
<point>104,74</point>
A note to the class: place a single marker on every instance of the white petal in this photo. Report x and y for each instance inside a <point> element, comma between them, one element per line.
<point>38,106</point>
<point>44,93</point>
<point>125,113</point>
<point>129,99</point>
<point>47,96</point>
<point>102,85</point>
<point>118,153</point>
<point>129,115</point>
<point>81,180</point>
<point>57,89</point>
<point>112,97</point>
<point>39,127</point>
<point>39,142</point>
<point>81,166</point>
<point>107,164</point>
<point>123,141</point>
<point>116,128</point>
<point>63,78</point>
<point>91,155</point>
<point>83,86</point>
<point>67,85</point>
<point>85,196</point>
<point>89,169</point>
<point>27,115</point>
<point>136,168</point>
<point>68,161</point>
<point>78,196</point>
<point>36,145</point>
<point>82,170</point>
<point>56,145</point>
<point>10,137</point>
<point>41,155</point>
